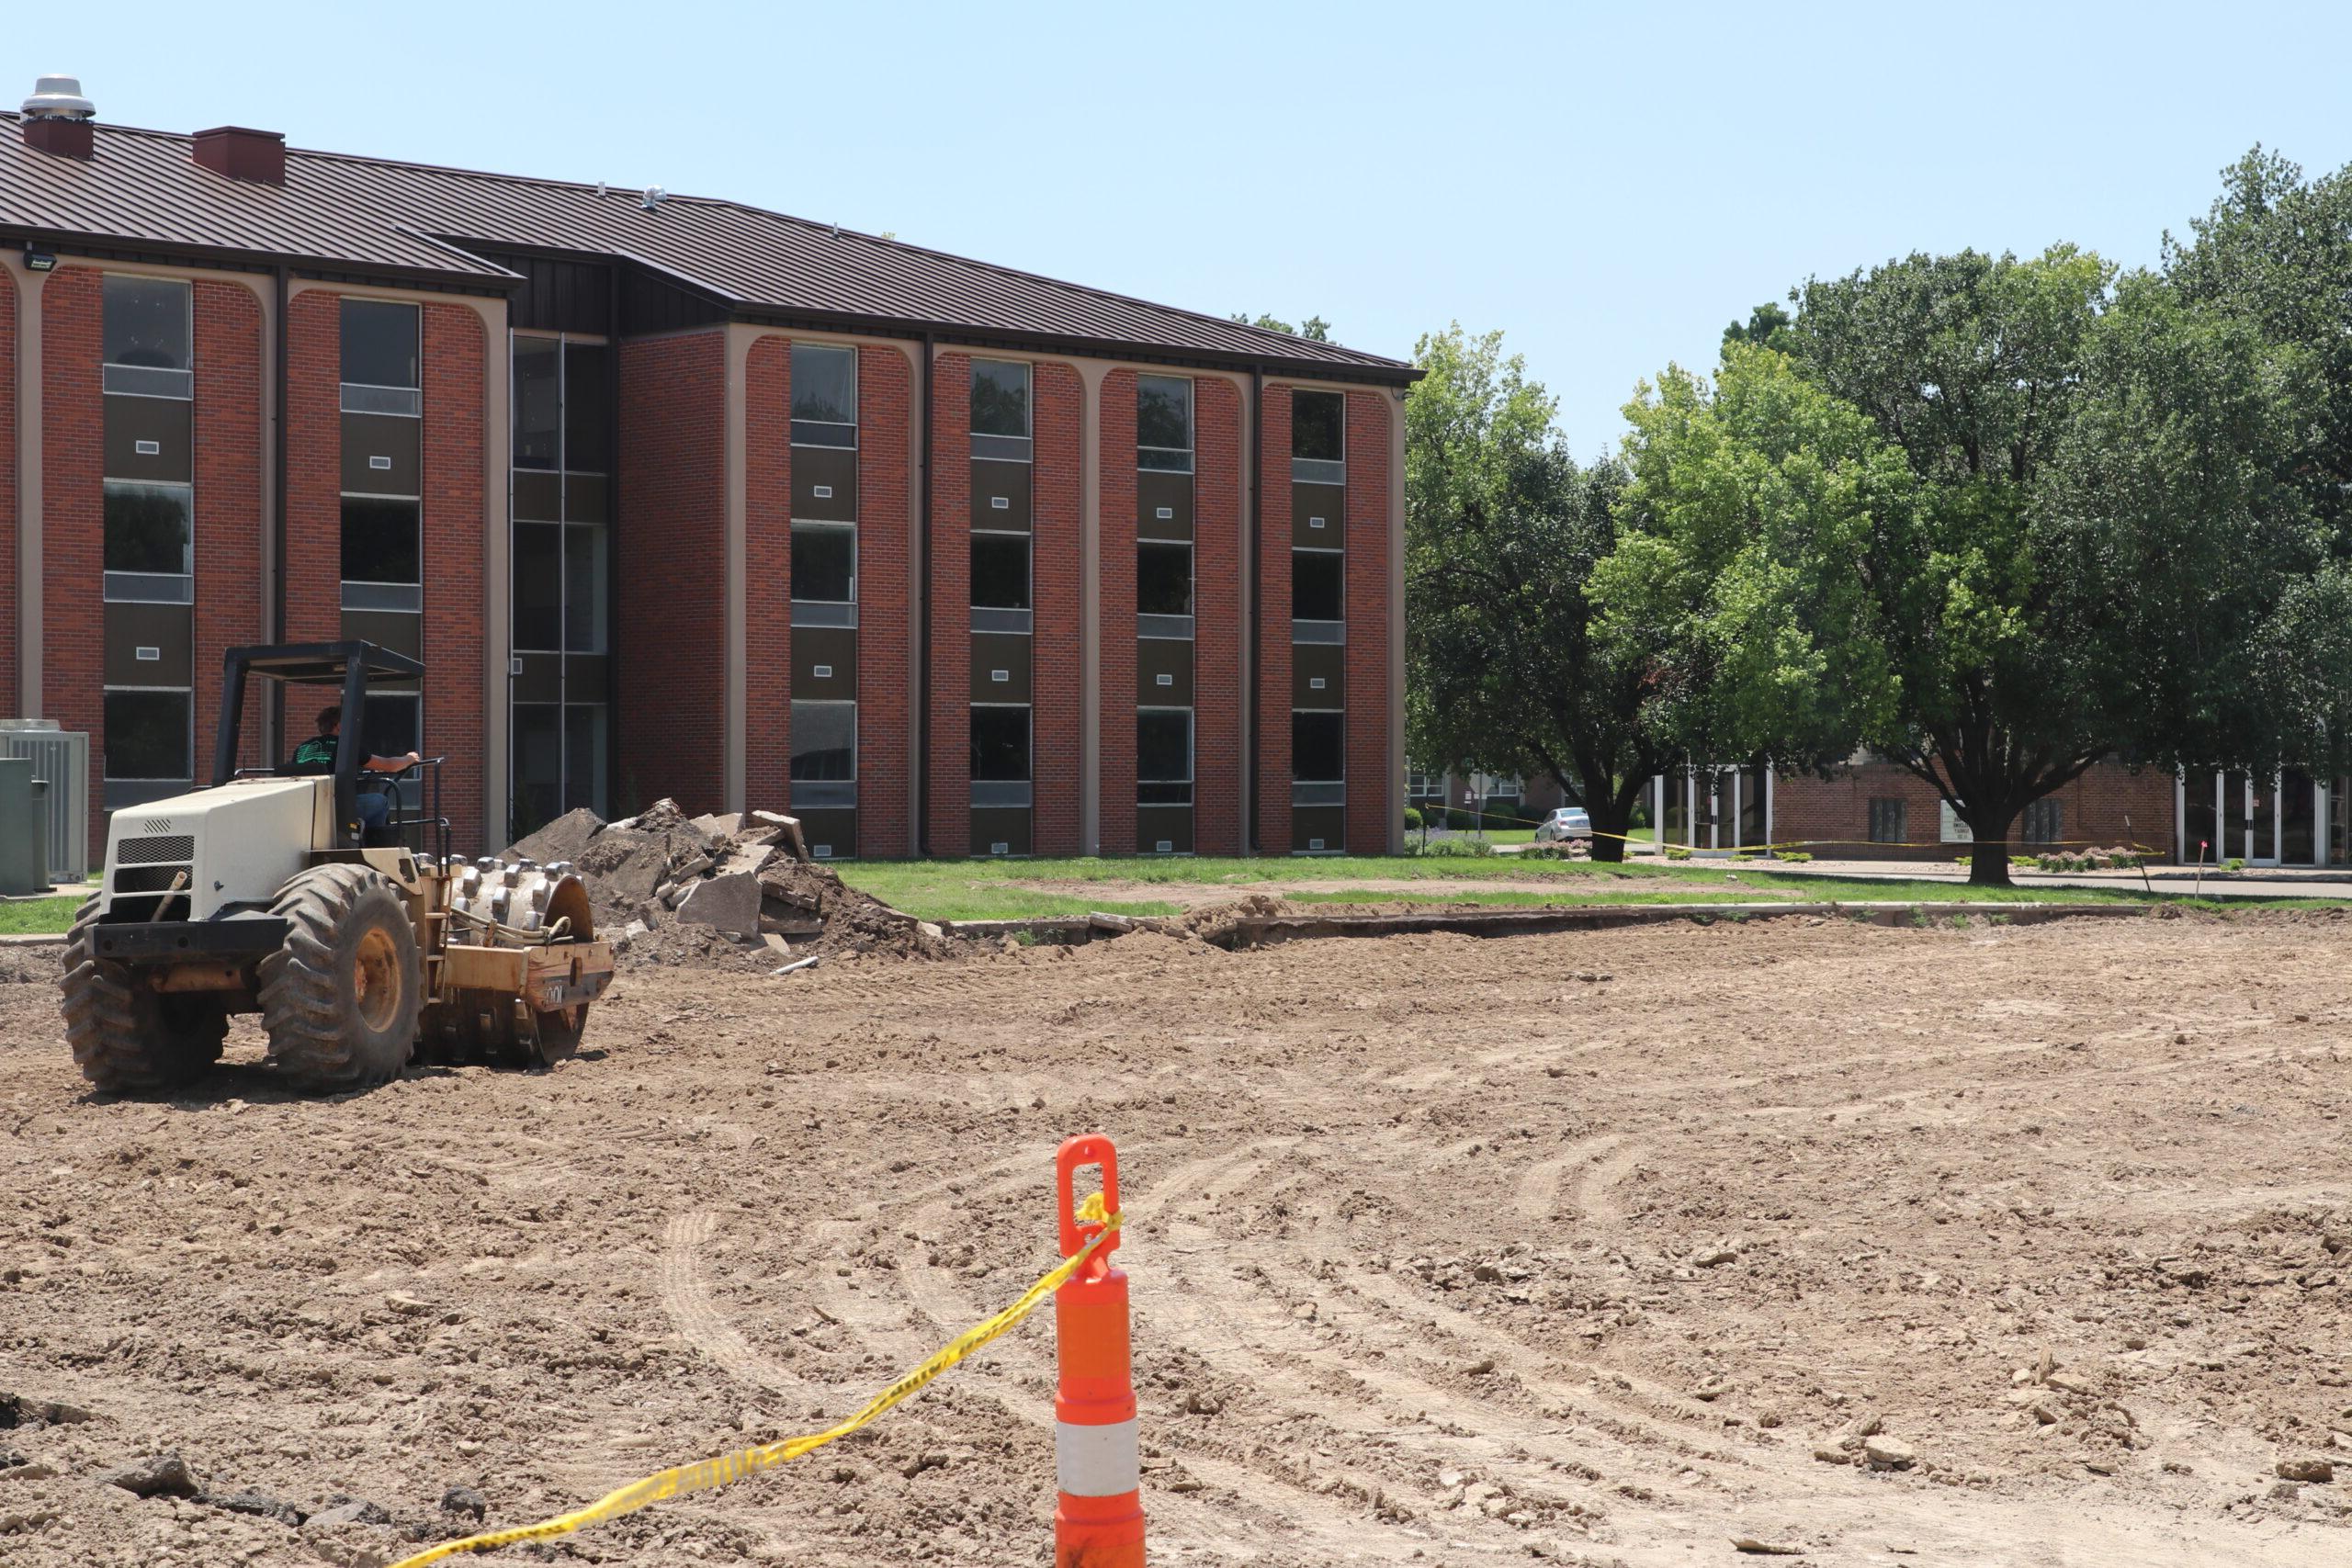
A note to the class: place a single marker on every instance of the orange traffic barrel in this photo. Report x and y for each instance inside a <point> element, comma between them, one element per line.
<point>1098,1520</point>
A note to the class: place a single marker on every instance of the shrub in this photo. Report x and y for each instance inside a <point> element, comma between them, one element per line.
<point>2234,863</point>
<point>1572,849</point>
<point>1677,852</point>
<point>1412,818</point>
<point>1794,857</point>
<point>1453,849</point>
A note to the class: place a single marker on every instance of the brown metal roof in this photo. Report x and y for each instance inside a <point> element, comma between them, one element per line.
<point>373,215</point>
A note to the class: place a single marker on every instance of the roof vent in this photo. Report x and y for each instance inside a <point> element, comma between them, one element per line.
<point>654,196</point>
<point>57,118</point>
<point>242,154</point>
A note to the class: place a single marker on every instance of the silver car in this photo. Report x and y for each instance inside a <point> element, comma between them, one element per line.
<point>1567,822</point>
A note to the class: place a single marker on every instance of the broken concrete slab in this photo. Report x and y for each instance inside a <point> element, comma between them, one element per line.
<point>726,824</point>
<point>730,903</point>
<point>747,860</point>
<point>565,839</point>
<point>789,827</point>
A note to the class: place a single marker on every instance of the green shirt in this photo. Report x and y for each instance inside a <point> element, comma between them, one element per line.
<point>317,752</point>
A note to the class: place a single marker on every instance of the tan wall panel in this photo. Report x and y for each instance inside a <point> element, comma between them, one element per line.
<point>372,438</point>
<point>1158,493</point>
<point>1313,661</point>
<point>165,422</point>
<point>1011,653</point>
<point>1309,823</point>
<point>828,469</point>
<point>993,825</point>
<point>1329,503</point>
<point>1171,823</point>
<point>162,627</point>
<point>995,482</point>
<point>833,648</point>
<point>1158,656</point>
<point>833,831</point>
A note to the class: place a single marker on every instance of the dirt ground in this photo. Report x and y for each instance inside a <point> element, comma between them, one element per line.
<point>1444,1251</point>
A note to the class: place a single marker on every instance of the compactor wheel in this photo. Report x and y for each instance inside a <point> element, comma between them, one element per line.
<point>340,999</point>
<point>124,1036</point>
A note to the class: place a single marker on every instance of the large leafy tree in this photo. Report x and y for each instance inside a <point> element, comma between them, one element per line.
<point>1503,532</point>
<point>1315,329</point>
<point>1736,590</point>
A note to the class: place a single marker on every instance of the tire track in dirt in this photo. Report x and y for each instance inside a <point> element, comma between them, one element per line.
<point>1536,1198</point>
<point>697,1318</point>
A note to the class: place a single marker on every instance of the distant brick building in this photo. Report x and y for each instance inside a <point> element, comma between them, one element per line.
<point>675,496</point>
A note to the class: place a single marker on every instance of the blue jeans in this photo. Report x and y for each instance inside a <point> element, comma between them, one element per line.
<point>374,810</point>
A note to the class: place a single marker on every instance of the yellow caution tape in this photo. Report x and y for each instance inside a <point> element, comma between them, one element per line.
<point>705,1474</point>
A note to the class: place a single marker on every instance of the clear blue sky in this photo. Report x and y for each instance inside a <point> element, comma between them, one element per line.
<point>1608,185</point>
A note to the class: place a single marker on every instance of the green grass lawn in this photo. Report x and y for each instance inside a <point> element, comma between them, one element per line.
<point>37,917</point>
<point>985,889</point>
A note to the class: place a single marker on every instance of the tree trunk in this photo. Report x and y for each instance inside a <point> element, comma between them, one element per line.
<point>1610,821</point>
<point>1988,861</point>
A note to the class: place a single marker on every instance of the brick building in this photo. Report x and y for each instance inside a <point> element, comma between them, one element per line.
<point>675,496</point>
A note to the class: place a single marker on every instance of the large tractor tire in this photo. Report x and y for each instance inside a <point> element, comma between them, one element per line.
<point>127,1038</point>
<point>340,999</point>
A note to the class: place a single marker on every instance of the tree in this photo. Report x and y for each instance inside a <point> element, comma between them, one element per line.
<point>1503,530</point>
<point>1767,327</point>
<point>1734,587</point>
<point>2275,251</point>
<point>1315,330</point>
<point>2095,534</point>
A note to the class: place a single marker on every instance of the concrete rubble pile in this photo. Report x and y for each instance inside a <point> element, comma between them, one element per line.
<point>734,889</point>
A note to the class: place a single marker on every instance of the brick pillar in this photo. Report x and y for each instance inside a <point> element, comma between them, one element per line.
<point>10,695</point>
<point>950,787</point>
<point>229,452</point>
<point>885,616</point>
<point>1372,790</point>
<point>670,552</point>
<point>1116,595</point>
<point>455,350</point>
<point>1217,713</point>
<point>73,419</point>
<point>1056,647</point>
<point>1273,626</point>
<point>767,567</point>
<point>313,564</point>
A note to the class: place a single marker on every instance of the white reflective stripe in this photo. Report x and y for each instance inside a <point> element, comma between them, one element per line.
<point>1096,1461</point>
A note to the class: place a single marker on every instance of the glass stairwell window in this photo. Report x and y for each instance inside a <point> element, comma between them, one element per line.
<point>1164,424</point>
<point>1318,438</point>
<point>824,395</point>
<point>1001,410</point>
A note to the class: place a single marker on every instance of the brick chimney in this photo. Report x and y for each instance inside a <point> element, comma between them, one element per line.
<point>57,118</point>
<point>242,154</point>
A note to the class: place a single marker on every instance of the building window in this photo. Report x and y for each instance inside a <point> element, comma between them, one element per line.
<point>999,744</point>
<point>1163,579</point>
<point>147,337</point>
<point>1316,579</point>
<point>391,723</point>
<point>380,358</point>
<point>1001,410</point>
<point>149,529</point>
<point>149,735</point>
<point>1318,449</point>
<point>824,562</point>
<point>2044,821</point>
<point>382,545</point>
<point>824,395</point>
<point>824,741</point>
<point>1000,572</point>
<point>1886,819</point>
<point>1164,424</point>
<point>1315,753</point>
<point>1164,757</point>
<point>538,403</point>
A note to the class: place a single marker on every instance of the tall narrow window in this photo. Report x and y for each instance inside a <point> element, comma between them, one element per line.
<point>1315,754</point>
<point>824,562</point>
<point>1163,579</point>
<point>999,744</point>
<point>380,358</point>
<point>824,395</point>
<point>1316,592</point>
<point>1164,424</point>
<point>147,337</point>
<point>149,542</point>
<point>1001,409</point>
<point>1000,572</point>
<point>824,741</point>
<point>1164,757</point>
<point>1318,438</point>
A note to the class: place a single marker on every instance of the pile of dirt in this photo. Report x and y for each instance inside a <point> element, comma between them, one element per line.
<point>725,890</point>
